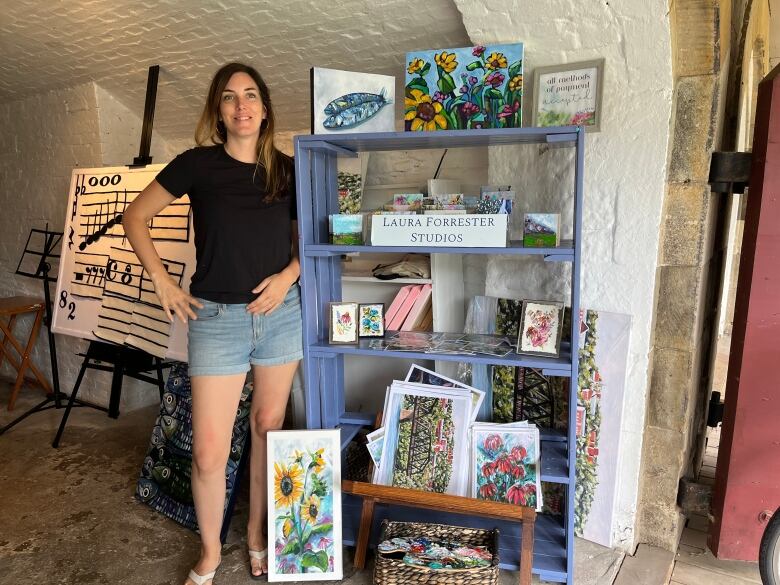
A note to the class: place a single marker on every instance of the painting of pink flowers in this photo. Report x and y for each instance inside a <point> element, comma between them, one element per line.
<point>464,88</point>
<point>540,328</point>
<point>343,323</point>
<point>505,466</point>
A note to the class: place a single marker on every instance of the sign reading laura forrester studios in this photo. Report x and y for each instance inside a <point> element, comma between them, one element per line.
<point>467,231</point>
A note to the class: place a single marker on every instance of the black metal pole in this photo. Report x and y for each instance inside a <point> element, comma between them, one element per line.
<point>143,157</point>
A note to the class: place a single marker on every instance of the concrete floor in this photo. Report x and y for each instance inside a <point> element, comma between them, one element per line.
<point>69,515</point>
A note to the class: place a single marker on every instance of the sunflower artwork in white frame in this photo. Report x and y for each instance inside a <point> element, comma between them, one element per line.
<point>304,505</point>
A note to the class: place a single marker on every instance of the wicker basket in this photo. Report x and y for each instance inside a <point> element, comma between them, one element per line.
<point>389,571</point>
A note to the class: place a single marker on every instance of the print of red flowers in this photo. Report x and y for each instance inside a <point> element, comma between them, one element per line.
<point>506,468</point>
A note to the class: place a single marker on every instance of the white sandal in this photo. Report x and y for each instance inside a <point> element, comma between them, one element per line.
<point>203,579</point>
<point>259,555</point>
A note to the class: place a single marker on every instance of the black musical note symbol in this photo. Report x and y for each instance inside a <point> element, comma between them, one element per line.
<point>70,238</point>
<point>127,277</point>
<point>110,268</point>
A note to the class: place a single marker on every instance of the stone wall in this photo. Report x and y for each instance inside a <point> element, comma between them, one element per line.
<point>689,265</point>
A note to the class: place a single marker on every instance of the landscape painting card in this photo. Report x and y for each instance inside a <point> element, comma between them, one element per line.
<point>464,88</point>
<point>541,323</point>
<point>426,441</point>
<point>347,101</point>
<point>304,505</point>
<point>541,230</point>
<point>505,465</point>
<point>422,375</point>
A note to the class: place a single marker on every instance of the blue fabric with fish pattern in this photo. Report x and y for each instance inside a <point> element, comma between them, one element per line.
<point>165,476</point>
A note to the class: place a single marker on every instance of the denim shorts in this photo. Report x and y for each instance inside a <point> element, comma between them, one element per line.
<point>225,339</point>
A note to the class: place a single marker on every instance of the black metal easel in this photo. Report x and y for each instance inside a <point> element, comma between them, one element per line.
<point>124,361</point>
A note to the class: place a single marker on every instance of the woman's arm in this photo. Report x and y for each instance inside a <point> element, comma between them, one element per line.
<point>274,288</point>
<point>149,203</point>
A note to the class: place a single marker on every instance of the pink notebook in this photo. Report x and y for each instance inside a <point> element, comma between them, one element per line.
<point>398,320</point>
<point>417,312</point>
<point>392,310</point>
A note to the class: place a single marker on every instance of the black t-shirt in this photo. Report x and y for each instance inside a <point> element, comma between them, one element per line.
<point>239,239</point>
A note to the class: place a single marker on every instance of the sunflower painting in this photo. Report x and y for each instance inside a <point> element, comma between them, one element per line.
<point>304,505</point>
<point>459,89</point>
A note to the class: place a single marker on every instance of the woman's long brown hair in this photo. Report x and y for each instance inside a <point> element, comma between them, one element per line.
<point>211,129</point>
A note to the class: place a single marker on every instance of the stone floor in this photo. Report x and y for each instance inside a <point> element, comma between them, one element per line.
<point>694,563</point>
<point>69,515</point>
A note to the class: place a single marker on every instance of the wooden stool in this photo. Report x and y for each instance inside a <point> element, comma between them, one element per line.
<point>12,307</point>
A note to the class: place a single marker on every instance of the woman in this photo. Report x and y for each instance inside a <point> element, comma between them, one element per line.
<point>244,307</point>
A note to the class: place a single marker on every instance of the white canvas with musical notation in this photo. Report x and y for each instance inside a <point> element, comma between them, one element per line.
<point>103,292</point>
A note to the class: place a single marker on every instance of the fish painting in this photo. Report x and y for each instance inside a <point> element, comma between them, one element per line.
<point>348,101</point>
<point>352,109</point>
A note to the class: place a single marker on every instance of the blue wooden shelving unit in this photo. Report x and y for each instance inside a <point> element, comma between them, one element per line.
<point>316,171</point>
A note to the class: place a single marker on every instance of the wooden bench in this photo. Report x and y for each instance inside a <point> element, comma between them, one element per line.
<point>373,494</point>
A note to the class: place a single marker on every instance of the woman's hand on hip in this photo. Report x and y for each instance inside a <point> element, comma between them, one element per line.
<point>272,292</point>
<point>173,299</point>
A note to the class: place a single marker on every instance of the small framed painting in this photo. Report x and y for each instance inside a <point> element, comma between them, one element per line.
<point>343,323</point>
<point>371,320</point>
<point>304,505</point>
<point>569,95</point>
<point>541,323</point>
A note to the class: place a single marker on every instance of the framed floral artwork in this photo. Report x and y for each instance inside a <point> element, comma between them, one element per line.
<point>304,505</point>
<point>371,320</point>
<point>541,323</point>
<point>464,88</point>
<point>343,322</point>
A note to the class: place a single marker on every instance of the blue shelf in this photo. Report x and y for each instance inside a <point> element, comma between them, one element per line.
<point>563,253</point>
<point>549,534</point>
<point>344,144</point>
<point>316,179</point>
<point>560,366</point>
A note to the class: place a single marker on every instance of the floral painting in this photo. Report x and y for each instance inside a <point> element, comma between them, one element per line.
<point>470,87</point>
<point>304,505</point>
<point>505,467</point>
<point>372,322</point>
<point>343,322</point>
<point>540,328</point>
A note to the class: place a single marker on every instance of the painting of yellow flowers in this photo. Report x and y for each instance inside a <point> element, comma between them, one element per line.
<point>304,505</point>
<point>466,88</point>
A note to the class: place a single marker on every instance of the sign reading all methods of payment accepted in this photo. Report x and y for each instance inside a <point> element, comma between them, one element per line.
<point>454,231</point>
